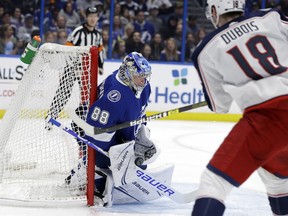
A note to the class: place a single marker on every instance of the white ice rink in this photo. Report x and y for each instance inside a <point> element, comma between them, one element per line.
<point>189,145</point>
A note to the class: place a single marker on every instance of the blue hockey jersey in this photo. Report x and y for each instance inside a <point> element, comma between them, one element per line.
<point>116,104</point>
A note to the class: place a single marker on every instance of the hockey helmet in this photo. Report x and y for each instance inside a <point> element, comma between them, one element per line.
<point>135,72</point>
<point>223,7</point>
<point>91,10</point>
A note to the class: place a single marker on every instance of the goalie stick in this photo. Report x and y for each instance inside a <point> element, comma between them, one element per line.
<point>139,174</point>
<point>90,130</point>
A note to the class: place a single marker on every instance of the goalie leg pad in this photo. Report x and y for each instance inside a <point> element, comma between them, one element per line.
<point>122,163</point>
<point>138,191</point>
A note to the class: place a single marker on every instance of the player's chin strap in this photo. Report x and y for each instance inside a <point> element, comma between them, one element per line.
<point>138,173</point>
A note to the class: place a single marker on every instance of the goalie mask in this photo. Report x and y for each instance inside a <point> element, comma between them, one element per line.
<point>135,72</point>
<point>223,7</point>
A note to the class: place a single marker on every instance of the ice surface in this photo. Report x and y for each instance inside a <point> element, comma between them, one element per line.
<point>189,145</point>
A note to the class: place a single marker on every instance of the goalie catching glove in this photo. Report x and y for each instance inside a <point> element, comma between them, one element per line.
<point>145,150</point>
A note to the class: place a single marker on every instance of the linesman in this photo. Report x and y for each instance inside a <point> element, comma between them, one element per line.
<point>87,35</point>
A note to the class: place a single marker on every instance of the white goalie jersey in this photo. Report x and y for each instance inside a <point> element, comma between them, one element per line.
<point>251,56</point>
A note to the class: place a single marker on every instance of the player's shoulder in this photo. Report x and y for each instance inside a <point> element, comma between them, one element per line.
<point>113,91</point>
<point>239,21</point>
<point>77,29</point>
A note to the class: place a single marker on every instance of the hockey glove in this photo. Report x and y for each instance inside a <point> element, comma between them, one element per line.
<point>144,148</point>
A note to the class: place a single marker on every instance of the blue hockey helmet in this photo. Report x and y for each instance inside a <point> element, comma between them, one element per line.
<point>135,72</point>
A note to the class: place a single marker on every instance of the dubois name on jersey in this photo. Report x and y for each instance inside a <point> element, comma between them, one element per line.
<point>250,55</point>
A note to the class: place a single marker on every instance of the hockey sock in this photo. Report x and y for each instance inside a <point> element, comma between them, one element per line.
<point>208,207</point>
<point>279,205</point>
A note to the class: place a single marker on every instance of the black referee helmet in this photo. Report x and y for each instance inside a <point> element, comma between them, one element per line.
<point>91,10</point>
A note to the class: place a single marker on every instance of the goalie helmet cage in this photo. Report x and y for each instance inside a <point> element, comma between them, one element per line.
<point>34,161</point>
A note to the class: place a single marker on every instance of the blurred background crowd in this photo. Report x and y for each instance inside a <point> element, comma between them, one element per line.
<point>153,27</point>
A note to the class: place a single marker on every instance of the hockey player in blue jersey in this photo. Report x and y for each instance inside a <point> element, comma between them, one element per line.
<point>123,96</point>
<point>245,60</point>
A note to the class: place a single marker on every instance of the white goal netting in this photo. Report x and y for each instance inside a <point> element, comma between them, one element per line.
<point>35,158</point>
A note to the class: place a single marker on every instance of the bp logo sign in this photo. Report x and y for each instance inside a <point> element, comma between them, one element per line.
<point>180,77</point>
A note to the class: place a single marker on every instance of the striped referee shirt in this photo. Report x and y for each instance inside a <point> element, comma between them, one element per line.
<point>81,36</point>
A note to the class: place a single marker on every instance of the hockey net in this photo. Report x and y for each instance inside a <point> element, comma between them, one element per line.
<point>35,158</point>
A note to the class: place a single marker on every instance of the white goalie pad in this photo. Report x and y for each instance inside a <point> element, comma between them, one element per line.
<point>138,191</point>
<point>129,187</point>
<point>122,160</point>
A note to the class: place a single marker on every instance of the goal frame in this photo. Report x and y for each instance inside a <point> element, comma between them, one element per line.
<point>92,72</point>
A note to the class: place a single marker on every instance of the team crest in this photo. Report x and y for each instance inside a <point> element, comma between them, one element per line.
<point>114,96</point>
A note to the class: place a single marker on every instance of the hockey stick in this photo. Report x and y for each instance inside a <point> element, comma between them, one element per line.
<point>149,180</point>
<point>90,130</point>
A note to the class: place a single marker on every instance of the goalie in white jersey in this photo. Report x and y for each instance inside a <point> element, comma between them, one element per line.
<point>245,59</point>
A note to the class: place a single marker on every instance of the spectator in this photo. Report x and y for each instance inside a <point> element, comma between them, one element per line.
<point>28,6</point>
<point>157,46</point>
<point>28,26</point>
<point>179,10</point>
<point>143,5</point>
<point>22,43</point>
<point>119,11</point>
<point>251,6</point>
<point>105,38</point>
<point>17,17</point>
<point>165,7</point>
<point>200,34</point>
<point>170,52</point>
<point>6,18</point>
<point>147,52</point>
<point>62,37</point>
<point>50,37</point>
<point>118,30</point>
<point>61,4</point>
<point>192,26</point>
<point>178,35</point>
<point>8,5</point>
<point>61,24</point>
<point>119,51</point>
<point>101,13</point>
<point>72,17</point>
<point>1,11</point>
<point>190,46</point>
<point>82,5</point>
<point>134,43</point>
<point>131,5</point>
<point>126,15</point>
<point>8,43</point>
<point>128,31</point>
<point>169,30</point>
<point>48,21</point>
<point>145,28</point>
<point>154,19</point>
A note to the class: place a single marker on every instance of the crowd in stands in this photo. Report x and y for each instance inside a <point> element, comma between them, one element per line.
<point>152,27</point>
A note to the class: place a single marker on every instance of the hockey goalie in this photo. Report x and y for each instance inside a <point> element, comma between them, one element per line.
<point>122,96</point>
